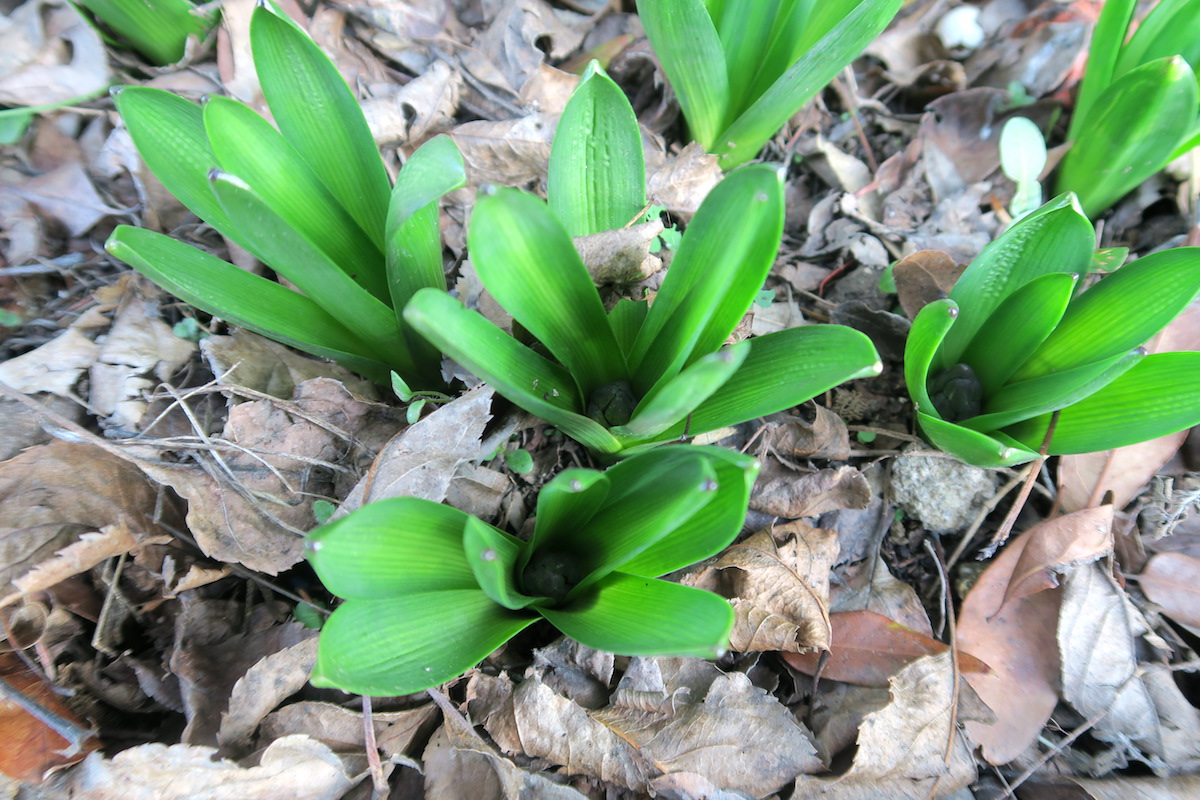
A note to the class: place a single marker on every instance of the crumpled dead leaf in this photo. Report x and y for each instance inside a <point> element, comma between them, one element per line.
<point>421,108</point>
<point>789,496</point>
<point>1172,581</point>
<point>911,748</point>
<point>1017,642</point>
<point>251,361</point>
<point>295,767</point>
<point>457,766</point>
<point>66,194</point>
<point>795,437</point>
<point>508,152</point>
<point>54,367</point>
<point>680,183</point>
<point>621,255</point>
<point>778,584</point>
<point>1058,545</point>
<point>342,728</point>
<point>264,686</point>
<point>923,277</point>
<point>50,54</point>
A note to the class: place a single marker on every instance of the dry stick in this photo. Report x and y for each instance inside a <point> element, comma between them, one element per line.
<point>378,779</point>
<point>954,669</point>
<point>988,508</point>
<point>1005,528</point>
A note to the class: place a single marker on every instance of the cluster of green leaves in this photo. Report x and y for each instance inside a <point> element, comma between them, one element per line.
<point>643,372</point>
<point>1015,348</point>
<point>158,29</point>
<point>742,68</point>
<point>1139,104</point>
<point>312,200</point>
<point>439,589</point>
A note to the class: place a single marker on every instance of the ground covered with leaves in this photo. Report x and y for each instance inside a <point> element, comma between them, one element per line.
<point>160,621</point>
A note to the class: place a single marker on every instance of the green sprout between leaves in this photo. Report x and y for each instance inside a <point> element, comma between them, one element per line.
<point>642,372</point>
<point>311,199</point>
<point>742,68</point>
<point>1015,348</point>
<point>1139,104</point>
<point>158,29</point>
<point>439,589</point>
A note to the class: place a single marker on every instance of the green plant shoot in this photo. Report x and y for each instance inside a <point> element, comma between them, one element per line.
<point>642,372</point>
<point>1022,159</point>
<point>158,29</point>
<point>1016,348</point>
<point>742,68</point>
<point>439,590</point>
<point>310,199</point>
<point>1138,105</point>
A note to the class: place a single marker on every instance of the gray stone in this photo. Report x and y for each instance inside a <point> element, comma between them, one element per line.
<point>943,493</point>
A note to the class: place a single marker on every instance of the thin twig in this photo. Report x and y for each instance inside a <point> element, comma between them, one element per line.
<point>954,667</point>
<point>378,778</point>
<point>1001,535</point>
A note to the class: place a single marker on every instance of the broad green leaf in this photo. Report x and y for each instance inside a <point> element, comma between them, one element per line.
<point>1187,145</point>
<point>1131,131</point>
<point>745,31</point>
<point>1169,29</point>
<point>528,263</point>
<point>243,299</point>
<point>316,111</point>
<point>597,176</point>
<point>789,39</point>
<point>689,48</point>
<point>247,146</point>
<point>783,370</point>
<point>626,320</point>
<point>493,556</point>
<point>1055,238</point>
<point>406,644</point>
<point>971,446</point>
<point>414,241</point>
<point>708,530</point>
<point>630,522</point>
<point>169,134</point>
<point>809,74</point>
<point>715,275</point>
<point>533,382</point>
<point>392,547</point>
<point>567,502</point>
<point>680,395</point>
<point>1103,55</point>
<point>928,331</point>
<point>646,617</point>
<point>158,29</point>
<point>1018,325</point>
<point>1120,312</point>
<point>292,254</point>
<point>1156,397</point>
<point>1026,399</point>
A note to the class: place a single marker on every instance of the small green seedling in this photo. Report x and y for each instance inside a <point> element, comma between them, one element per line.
<point>158,29</point>
<point>430,591</point>
<point>1138,106</point>
<point>1022,159</point>
<point>742,68</point>
<point>311,199</point>
<point>1015,349</point>
<point>643,372</point>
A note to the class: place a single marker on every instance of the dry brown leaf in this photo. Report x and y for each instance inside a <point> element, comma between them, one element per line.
<point>1097,632</point>
<point>423,459</point>
<point>342,728</point>
<point>53,492</point>
<point>1172,581</point>
<point>54,367</point>
<point>509,152</point>
<point>680,183</point>
<point>248,360</point>
<point>50,55</point>
<point>67,194</point>
<point>31,748</point>
<point>264,686</point>
<point>790,496</point>
<point>1058,545</point>
<point>294,767</point>
<point>867,649</point>
<point>621,255</point>
<point>1018,644</point>
<point>778,584</point>
<point>412,113</point>
<point>923,277</point>
<point>90,549</point>
<point>456,770</point>
<point>518,40</point>
<point>1171,787</point>
<point>902,749</point>
<point>869,585</point>
<point>795,437</point>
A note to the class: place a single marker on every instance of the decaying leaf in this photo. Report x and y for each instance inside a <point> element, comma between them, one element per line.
<point>923,277</point>
<point>787,496</point>
<point>264,686</point>
<point>248,360</point>
<point>67,195</point>
<point>1017,642</point>
<point>1172,581</point>
<point>1058,545</point>
<point>510,152</point>
<point>293,767</point>
<point>54,367</point>
<point>342,728</point>
<point>454,770</point>
<point>680,183</point>
<point>796,438</point>
<point>778,584</point>
<point>51,54</point>
<point>911,748</point>
<point>621,255</point>
<point>867,649</point>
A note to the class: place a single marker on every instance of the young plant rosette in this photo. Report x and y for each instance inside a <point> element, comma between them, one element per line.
<point>430,591</point>
<point>1015,343</point>
<point>311,199</point>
